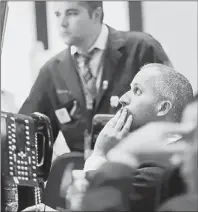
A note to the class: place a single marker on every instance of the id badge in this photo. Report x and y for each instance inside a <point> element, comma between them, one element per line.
<point>63,115</point>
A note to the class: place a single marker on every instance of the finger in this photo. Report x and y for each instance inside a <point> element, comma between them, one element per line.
<point>112,122</point>
<point>120,122</point>
<point>126,127</point>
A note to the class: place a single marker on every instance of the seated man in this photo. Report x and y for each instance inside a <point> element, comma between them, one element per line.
<point>157,93</point>
<point>112,181</point>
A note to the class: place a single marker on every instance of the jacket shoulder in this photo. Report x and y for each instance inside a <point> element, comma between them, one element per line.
<point>53,61</point>
<point>139,37</point>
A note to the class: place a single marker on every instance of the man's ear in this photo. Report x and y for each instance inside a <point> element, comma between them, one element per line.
<point>163,108</point>
<point>97,13</point>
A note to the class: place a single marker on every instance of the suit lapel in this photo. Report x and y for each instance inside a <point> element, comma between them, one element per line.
<point>111,59</point>
<point>69,74</point>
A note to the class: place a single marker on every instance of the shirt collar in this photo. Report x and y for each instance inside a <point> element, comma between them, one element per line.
<point>100,43</point>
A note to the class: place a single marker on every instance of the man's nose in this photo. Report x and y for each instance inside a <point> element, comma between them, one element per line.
<point>64,22</point>
<point>124,99</point>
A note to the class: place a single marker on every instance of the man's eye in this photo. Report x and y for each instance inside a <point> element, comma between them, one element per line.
<point>72,13</point>
<point>57,14</point>
<point>137,91</point>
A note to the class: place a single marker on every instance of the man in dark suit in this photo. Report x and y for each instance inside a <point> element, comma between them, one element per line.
<point>60,90</point>
<point>113,185</point>
<point>157,93</point>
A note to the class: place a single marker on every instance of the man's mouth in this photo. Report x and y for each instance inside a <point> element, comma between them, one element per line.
<point>65,33</point>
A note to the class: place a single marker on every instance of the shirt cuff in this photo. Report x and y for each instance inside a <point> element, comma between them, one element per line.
<point>94,163</point>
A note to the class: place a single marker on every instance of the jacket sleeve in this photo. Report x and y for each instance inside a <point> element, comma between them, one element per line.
<point>147,188</point>
<point>109,188</point>
<point>135,190</point>
<point>39,99</point>
<point>151,51</point>
<point>94,162</point>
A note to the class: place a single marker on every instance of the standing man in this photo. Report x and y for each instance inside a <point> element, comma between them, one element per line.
<point>99,62</point>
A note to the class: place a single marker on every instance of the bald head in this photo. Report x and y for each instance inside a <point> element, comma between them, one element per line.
<point>158,93</point>
<point>170,85</point>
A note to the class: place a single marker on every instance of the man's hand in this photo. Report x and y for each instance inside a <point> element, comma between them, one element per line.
<point>115,130</point>
<point>149,143</point>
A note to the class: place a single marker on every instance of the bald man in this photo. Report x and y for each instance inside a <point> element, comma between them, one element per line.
<point>158,93</point>
<point>113,182</point>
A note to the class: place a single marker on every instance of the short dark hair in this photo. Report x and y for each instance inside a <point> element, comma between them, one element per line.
<point>173,86</point>
<point>92,5</point>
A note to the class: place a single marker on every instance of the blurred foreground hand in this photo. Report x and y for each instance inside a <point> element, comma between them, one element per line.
<point>150,143</point>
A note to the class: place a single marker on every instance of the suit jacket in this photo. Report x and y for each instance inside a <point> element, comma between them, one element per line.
<point>58,85</point>
<point>116,187</point>
<point>187,202</point>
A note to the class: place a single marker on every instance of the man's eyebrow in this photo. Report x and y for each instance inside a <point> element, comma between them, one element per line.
<point>72,10</point>
<point>68,10</point>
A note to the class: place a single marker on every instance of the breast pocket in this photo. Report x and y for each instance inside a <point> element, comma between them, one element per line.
<point>68,107</point>
<point>64,96</point>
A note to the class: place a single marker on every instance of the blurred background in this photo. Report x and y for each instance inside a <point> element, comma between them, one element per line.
<point>31,38</point>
